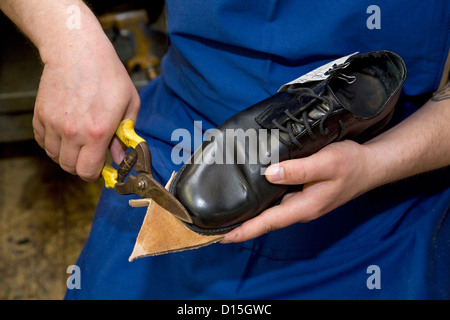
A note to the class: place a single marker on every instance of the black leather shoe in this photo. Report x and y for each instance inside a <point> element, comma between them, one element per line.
<point>354,101</point>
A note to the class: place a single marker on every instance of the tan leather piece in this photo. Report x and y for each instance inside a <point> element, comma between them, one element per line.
<point>162,233</point>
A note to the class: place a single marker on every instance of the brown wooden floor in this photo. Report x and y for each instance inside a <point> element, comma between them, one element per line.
<point>45,218</point>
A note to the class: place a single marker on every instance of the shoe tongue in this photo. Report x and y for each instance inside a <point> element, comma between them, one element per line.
<point>336,101</point>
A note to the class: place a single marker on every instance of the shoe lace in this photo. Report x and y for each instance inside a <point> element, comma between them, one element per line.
<point>305,119</point>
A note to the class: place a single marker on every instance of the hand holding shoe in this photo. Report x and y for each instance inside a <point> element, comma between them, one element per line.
<point>330,178</point>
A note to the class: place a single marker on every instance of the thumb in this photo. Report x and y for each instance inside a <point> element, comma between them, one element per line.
<point>300,171</point>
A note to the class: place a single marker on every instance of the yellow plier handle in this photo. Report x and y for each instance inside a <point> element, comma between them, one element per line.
<point>125,132</point>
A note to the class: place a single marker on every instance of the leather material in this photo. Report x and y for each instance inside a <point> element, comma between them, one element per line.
<point>355,102</point>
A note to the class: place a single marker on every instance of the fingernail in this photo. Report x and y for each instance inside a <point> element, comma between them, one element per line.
<point>274,173</point>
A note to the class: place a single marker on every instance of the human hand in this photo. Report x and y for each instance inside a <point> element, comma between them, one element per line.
<point>331,177</point>
<point>84,93</point>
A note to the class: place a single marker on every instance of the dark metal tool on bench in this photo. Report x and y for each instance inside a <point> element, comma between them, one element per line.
<point>134,23</point>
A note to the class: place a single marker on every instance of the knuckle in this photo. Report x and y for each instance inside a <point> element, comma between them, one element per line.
<point>87,174</point>
<point>67,167</point>
<point>332,153</point>
<point>52,155</point>
<point>301,174</point>
<point>269,228</point>
<point>39,139</point>
<point>97,132</point>
<point>87,171</point>
<point>334,158</point>
<point>39,112</point>
<point>295,172</point>
<point>274,223</point>
<point>69,129</point>
<point>308,217</point>
<point>35,123</point>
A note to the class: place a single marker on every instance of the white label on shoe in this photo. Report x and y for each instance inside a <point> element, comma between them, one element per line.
<point>317,74</point>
